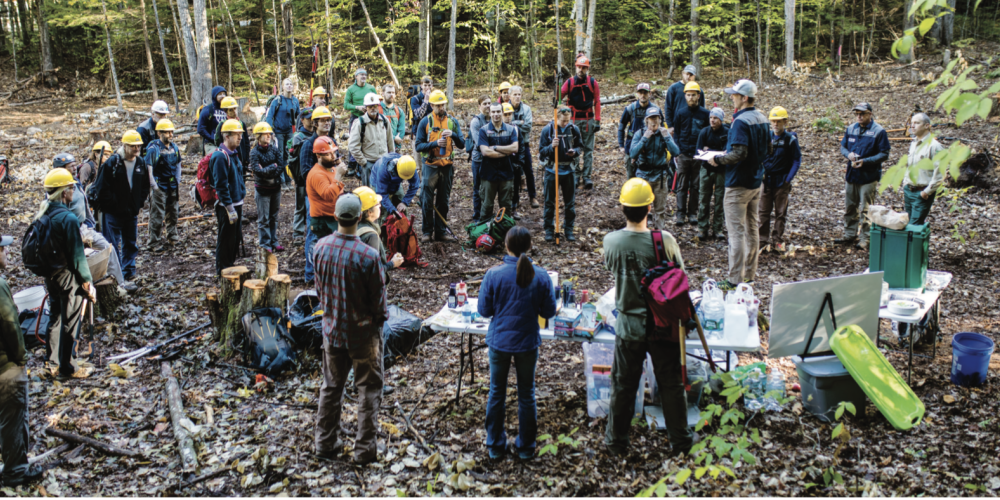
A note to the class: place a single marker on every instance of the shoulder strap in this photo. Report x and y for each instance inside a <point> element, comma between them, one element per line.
<point>661,253</point>
<point>365,230</point>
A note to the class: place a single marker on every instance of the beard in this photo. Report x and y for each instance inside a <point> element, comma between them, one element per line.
<point>328,163</point>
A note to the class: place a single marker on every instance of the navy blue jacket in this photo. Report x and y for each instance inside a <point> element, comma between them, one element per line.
<point>515,310</point>
<point>497,169</point>
<point>227,176</point>
<point>147,130</point>
<point>166,164</point>
<point>211,116</point>
<point>420,107</point>
<point>782,165</point>
<point>569,138</point>
<point>633,119</point>
<point>385,181</point>
<point>688,123</point>
<point>265,163</point>
<point>872,145</point>
<point>675,100</point>
<point>283,114</point>
<point>713,140</point>
<point>751,129</point>
<point>306,156</point>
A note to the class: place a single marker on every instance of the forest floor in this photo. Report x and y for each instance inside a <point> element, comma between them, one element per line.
<point>953,452</point>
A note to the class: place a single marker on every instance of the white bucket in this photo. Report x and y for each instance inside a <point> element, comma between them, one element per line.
<point>30,298</point>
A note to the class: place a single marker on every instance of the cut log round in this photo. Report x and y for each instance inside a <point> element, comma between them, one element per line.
<point>215,312</point>
<point>108,298</point>
<point>231,285</point>
<point>266,264</point>
<point>276,293</point>
<point>251,298</point>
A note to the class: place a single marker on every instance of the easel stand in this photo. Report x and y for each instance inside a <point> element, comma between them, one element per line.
<point>827,299</point>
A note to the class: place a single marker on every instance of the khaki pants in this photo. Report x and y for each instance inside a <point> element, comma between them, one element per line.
<point>337,362</point>
<point>855,196</point>
<point>773,199</point>
<point>163,211</point>
<point>661,191</point>
<point>742,221</point>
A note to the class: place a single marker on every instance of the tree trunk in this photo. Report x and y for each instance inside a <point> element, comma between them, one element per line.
<point>149,53</point>
<point>802,17</point>
<point>421,37</point>
<point>948,26</point>
<point>22,15</point>
<point>286,23</point>
<point>589,45</point>
<point>695,41</point>
<point>378,42</point>
<point>329,48</point>
<point>760,73</point>
<point>111,57</point>
<point>818,26</point>
<point>277,44</point>
<point>843,28</point>
<point>203,48</point>
<point>789,33</point>
<point>43,28</point>
<point>260,12</point>
<point>276,291</point>
<point>670,40</point>
<point>578,8</point>
<point>193,53</point>
<point>767,38</point>
<point>452,34</point>
<point>178,38</point>
<point>3,30</point>
<point>559,54</point>
<point>908,23</point>
<point>239,45</point>
<point>532,22</point>
<point>229,59</point>
<point>163,50</point>
<point>739,35</point>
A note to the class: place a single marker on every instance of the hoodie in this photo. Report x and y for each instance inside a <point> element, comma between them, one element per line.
<point>211,117</point>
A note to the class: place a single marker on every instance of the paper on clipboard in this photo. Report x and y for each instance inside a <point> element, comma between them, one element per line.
<point>708,155</point>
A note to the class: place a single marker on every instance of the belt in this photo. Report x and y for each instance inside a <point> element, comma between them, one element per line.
<point>911,187</point>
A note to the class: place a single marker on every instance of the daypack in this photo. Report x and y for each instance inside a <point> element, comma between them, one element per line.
<point>401,239</point>
<point>382,119</point>
<point>306,319</point>
<point>268,346</point>
<point>203,183</point>
<point>496,227</point>
<point>580,99</point>
<point>294,149</point>
<point>96,185</point>
<point>34,327</point>
<point>38,251</point>
<point>665,290</point>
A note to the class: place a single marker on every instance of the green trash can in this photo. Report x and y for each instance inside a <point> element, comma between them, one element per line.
<point>902,255</point>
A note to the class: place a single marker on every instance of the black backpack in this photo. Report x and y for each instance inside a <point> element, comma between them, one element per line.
<point>268,345</point>
<point>38,251</point>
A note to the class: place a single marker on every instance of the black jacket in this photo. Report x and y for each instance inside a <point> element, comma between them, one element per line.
<point>116,197</point>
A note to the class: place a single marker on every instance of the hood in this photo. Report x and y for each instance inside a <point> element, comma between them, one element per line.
<point>215,92</point>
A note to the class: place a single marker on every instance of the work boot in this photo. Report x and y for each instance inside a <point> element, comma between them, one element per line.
<point>534,204</point>
<point>703,235</point>
<point>549,237</point>
<point>680,220</point>
<point>684,450</point>
<point>130,287</point>
<point>588,184</point>
<point>34,473</point>
<point>846,240</point>
<point>514,215</point>
<point>425,238</point>
<point>693,220</point>
<point>569,235</point>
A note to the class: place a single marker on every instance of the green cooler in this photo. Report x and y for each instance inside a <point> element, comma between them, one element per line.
<point>902,255</point>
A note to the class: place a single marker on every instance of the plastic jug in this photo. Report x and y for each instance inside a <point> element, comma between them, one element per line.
<point>736,322</point>
<point>713,310</point>
<point>745,293</point>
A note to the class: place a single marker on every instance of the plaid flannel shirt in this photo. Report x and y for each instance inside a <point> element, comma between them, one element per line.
<point>351,289</point>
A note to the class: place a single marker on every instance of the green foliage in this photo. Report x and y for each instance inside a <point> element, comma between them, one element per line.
<point>830,122</point>
<point>552,447</point>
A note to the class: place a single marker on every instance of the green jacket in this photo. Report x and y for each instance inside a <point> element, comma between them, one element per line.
<point>66,231</point>
<point>628,254</point>
<point>354,99</point>
<point>11,339</point>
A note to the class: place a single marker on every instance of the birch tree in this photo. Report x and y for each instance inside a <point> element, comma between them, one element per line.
<point>589,43</point>
<point>452,33</point>
<point>789,33</point>
<point>149,53</point>
<point>695,41</point>
<point>204,72</point>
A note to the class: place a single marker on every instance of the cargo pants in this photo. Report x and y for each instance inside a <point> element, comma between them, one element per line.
<point>366,359</point>
<point>857,199</point>
<point>163,212</point>
<point>496,192</point>
<point>14,423</point>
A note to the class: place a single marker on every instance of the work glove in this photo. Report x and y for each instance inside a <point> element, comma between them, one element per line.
<point>664,132</point>
<point>232,214</point>
<point>597,126</point>
<point>647,134</point>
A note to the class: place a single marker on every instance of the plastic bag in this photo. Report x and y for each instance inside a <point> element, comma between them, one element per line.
<point>306,318</point>
<point>401,333</point>
<point>606,308</point>
<point>887,218</point>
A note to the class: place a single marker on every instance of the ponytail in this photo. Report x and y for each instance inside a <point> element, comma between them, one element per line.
<point>518,242</point>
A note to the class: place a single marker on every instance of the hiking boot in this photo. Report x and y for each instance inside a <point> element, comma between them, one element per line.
<point>130,287</point>
<point>569,236</point>
<point>534,204</point>
<point>425,238</point>
<point>549,237</point>
<point>680,220</point>
<point>846,240</point>
<point>447,238</point>
<point>703,235</point>
<point>693,220</point>
<point>34,473</point>
<point>496,454</point>
<point>514,215</point>
<point>684,450</point>
<point>862,244</point>
<point>726,286</point>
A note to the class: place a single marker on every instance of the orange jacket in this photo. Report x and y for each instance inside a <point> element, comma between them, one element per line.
<point>323,189</point>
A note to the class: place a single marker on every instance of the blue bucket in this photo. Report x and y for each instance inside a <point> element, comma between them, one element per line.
<point>970,358</point>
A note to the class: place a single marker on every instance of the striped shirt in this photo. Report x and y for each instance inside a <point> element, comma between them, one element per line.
<point>351,289</point>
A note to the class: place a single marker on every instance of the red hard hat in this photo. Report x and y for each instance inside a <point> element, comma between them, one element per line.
<point>583,61</point>
<point>324,145</point>
<point>486,243</point>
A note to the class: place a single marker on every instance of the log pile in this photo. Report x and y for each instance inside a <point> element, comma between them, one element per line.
<point>241,291</point>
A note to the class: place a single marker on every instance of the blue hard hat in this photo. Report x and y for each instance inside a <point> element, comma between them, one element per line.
<point>62,159</point>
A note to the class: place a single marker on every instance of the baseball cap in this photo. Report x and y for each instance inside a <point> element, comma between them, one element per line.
<point>743,87</point>
<point>718,113</point>
<point>652,111</point>
<point>864,106</point>
<point>565,109</point>
<point>348,207</point>
<point>642,86</point>
<point>6,240</point>
<point>690,69</point>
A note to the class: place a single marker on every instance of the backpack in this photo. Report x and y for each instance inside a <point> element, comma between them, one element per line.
<point>34,327</point>
<point>401,239</point>
<point>294,149</point>
<point>665,290</point>
<point>38,251</point>
<point>306,320</point>
<point>203,183</point>
<point>496,228</point>
<point>268,346</point>
<point>382,119</point>
<point>578,97</point>
<point>94,189</point>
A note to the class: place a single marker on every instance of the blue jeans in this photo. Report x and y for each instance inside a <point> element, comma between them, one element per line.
<point>267,219</point>
<point>436,191</point>
<point>310,241</point>
<point>280,140</point>
<point>477,200</point>
<point>527,414</point>
<point>122,231</point>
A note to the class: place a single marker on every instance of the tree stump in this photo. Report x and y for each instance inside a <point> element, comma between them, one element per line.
<point>231,284</point>
<point>108,298</point>
<point>193,147</point>
<point>266,264</point>
<point>276,291</point>
<point>215,311</point>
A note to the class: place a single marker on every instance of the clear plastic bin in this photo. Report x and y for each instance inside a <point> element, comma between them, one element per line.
<point>599,379</point>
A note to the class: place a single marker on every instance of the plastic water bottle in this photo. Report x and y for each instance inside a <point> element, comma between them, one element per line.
<point>775,382</point>
<point>754,383</point>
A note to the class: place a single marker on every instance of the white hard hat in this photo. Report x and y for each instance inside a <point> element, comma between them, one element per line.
<point>161,108</point>
<point>372,99</point>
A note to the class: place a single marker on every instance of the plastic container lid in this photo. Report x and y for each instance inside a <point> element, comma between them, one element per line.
<point>821,366</point>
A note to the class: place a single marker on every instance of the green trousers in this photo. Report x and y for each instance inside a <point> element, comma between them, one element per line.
<point>710,184</point>
<point>917,207</point>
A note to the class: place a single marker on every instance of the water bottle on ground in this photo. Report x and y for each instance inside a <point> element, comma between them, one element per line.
<point>754,383</point>
<point>775,382</point>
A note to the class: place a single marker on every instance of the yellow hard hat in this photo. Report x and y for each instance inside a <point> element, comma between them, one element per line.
<point>232,125</point>
<point>132,137</point>
<point>406,167</point>
<point>322,112</point>
<point>504,86</point>
<point>438,97</point>
<point>320,91</point>
<point>58,177</point>
<point>507,108</point>
<point>262,128</point>
<point>99,145</point>
<point>778,113</point>
<point>369,198</point>
<point>692,87</point>
<point>228,103</point>
<point>164,124</point>
<point>636,193</point>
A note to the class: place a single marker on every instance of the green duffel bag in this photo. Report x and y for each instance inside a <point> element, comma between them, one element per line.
<point>497,228</point>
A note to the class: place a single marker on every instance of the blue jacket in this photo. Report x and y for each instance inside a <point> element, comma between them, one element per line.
<point>283,114</point>
<point>872,145</point>
<point>147,130</point>
<point>385,181</point>
<point>227,176</point>
<point>569,138</point>
<point>713,140</point>
<point>515,310</point>
<point>166,164</point>
<point>688,123</point>
<point>211,116</point>
<point>751,129</point>
<point>497,169</point>
<point>675,100</point>
<point>782,165</point>
<point>306,156</point>
<point>477,122</point>
<point>633,118</point>
<point>650,155</point>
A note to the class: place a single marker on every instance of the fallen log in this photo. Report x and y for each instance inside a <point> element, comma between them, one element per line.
<point>185,443</point>
<point>101,446</point>
<point>182,219</point>
<point>54,451</point>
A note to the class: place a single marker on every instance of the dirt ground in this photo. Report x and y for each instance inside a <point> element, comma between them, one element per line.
<point>264,440</point>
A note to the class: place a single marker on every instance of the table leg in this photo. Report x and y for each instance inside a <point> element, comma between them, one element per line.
<point>909,371</point>
<point>461,367</point>
<point>472,364</point>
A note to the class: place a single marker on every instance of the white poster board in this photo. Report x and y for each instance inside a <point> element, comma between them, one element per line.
<point>794,307</point>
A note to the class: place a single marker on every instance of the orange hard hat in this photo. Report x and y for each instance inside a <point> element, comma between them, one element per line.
<point>324,145</point>
<point>583,61</point>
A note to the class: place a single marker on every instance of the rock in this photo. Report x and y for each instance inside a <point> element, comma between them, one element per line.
<point>33,130</point>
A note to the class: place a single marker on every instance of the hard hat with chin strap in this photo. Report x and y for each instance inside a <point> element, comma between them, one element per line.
<point>636,193</point>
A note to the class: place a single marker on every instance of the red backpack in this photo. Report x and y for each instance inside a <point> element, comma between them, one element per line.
<point>203,182</point>
<point>401,239</point>
<point>665,289</point>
